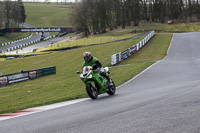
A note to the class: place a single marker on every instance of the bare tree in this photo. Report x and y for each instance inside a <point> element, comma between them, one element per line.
<point>7,13</point>
<point>97,16</point>
<point>22,13</point>
<point>1,16</point>
<point>80,18</point>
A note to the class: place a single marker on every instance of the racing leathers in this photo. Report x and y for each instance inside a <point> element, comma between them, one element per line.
<point>97,67</point>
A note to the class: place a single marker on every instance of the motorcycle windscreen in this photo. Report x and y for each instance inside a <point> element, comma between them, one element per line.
<point>86,69</point>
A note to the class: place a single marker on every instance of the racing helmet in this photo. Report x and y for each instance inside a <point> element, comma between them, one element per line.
<point>87,56</point>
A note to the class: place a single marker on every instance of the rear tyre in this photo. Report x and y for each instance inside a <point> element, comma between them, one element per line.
<point>91,91</point>
<point>112,89</point>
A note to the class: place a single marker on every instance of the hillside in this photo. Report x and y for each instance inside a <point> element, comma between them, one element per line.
<point>47,15</point>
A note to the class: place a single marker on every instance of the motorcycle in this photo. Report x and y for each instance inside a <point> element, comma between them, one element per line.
<point>95,83</point>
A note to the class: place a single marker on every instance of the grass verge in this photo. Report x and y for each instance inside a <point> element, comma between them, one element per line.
<point>172,28</point>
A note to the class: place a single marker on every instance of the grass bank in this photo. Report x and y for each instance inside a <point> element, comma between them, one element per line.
<point>47,15</point>
<point>66,85</point>
<point>172,28</point>
<point>93,39</point>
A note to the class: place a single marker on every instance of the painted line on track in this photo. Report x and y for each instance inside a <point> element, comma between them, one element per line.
<point>170,44</point>
<point>147,67</point>
<point>39,109</point>
<point>138,74</point>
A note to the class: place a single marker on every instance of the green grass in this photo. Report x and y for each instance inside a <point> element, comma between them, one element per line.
<point>160,45</point>
<point>47,15</point>
<point>94,39</point>
<point>180,27</point>
<point>66,84</point>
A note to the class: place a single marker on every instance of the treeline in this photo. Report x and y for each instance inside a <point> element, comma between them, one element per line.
<point>11,13</point>
<point>97,16</point>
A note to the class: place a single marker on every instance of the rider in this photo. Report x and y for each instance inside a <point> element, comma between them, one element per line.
<point>97,67</point>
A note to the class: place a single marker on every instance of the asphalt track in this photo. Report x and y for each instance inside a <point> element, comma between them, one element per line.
<point>37,37</point>
<point>39,45</point>
<point>163,99</point>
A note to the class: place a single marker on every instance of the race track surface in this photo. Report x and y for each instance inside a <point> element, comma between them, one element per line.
<point>163,99</point>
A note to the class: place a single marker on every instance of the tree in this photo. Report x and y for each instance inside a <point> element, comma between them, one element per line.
<point>97,16</point>
<point>7,13</point>
<point>1,16</point>
<point>79,17</point>
<point>22,13</point>
<point>12,13</point>
<point>15,14</point>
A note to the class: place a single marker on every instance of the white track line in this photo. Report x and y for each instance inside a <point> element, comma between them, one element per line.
<point>170,44</point>
<point>45,108</point>
<point>138,75</point>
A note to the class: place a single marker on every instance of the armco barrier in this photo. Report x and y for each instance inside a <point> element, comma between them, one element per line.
<point>26,75</point>
<point>130,51</point>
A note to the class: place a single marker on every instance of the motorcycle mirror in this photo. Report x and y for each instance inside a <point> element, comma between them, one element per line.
<point>78,72</point>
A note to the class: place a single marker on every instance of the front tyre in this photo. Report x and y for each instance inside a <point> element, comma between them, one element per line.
<point>91,91</point>
<point>112,89</point>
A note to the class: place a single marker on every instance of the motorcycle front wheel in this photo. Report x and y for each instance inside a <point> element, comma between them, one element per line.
<point>91,91</point>
<point>112,89</point>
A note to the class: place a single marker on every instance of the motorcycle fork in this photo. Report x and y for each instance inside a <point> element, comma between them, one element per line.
<point>93,85</point>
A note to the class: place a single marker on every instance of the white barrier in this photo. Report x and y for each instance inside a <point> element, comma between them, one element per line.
<point>4,44</point>
<point>23,45</point>
<point>130,51</point>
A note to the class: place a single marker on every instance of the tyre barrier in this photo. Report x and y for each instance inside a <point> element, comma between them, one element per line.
<point>49,37</point>
<point>26,44</point>
<point>26,75</point>
<point>22,39</point>
<point>130,51</point>
<point>21,45</point>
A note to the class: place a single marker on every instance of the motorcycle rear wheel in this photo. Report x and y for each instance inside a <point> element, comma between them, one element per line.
<point>91,91</point>
<point>112,89</point>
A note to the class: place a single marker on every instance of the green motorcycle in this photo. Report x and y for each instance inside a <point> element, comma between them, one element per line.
<point>95,83</point>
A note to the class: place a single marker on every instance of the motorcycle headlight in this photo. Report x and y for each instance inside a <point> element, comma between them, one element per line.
<point>90,76</point>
